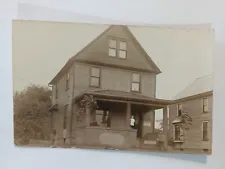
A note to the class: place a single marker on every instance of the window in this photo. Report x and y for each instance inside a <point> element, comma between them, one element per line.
<point>179,109</point>
<point>205,130</point>
<point>122,50</point>
<point>205,105</point>
<point>136,78</point>
<point>177,133</point>
<point>56,91</point>
<point>117,48</point>
<point>65,116</point>
<point>112,47</point>
<point>95,77</point>
<point>67,81</point>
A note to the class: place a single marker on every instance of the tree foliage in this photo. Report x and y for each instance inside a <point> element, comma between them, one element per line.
<point>186,121</point>
<point>31,116</point>
<point>87,101</point>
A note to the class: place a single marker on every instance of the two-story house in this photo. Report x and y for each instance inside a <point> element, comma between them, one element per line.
<point>121,76</point>
<point>197,101</point>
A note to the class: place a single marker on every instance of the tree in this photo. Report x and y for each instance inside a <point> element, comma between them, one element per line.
<point>185,123</point>
<point>31,116</point>
<point>87,101</point>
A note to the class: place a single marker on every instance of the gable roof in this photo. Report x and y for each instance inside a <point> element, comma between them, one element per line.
<point>201,85</point>
<point>74,58</point>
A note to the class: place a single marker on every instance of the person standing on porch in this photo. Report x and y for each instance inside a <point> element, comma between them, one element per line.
<point>132,122</point>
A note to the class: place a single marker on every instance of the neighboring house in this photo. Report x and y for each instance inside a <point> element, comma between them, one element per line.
<point>120,75</point>
<point>197,101</point>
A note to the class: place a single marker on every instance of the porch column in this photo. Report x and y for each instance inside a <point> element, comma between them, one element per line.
<point>128,114</point>
<point>165,127</point>
<point>87,116</point>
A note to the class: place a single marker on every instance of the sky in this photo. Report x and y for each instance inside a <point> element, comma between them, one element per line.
<point>182,53</point>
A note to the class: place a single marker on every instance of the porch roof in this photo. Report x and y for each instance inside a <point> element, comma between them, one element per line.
<point>123,96</point>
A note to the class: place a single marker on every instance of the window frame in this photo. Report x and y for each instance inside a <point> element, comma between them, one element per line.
<point>124,50</point>
<point>179,109</point>
<point>117,49</point>
<point>56,91</point>
<point>205,107</point>
<point>112,48</point>
<point>134,82</point>
<point>92,76</point>
<point>65,116</point>
<point>207,131</point>
<point>67,80</point>
<point>175,135</point>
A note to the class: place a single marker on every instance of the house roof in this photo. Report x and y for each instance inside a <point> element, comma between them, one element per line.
<point>74,58</point>
<point>201,85</point>
<point>121,95</point>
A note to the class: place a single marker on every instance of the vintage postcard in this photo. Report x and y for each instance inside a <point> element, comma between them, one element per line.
<point>144,88</point>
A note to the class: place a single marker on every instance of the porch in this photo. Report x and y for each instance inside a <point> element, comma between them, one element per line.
<point>109,124</point>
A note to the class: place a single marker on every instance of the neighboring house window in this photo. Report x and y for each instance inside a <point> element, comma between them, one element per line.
<point>65,116</point>
<point>177,133</point>
<point>67,80</point>
<point>205,105</point>
<point>56,91</point>
<point>136,79</point>
<point>117,48</point>
<point>95,77</point>
<point>205,130</point>
<point>179,109</point>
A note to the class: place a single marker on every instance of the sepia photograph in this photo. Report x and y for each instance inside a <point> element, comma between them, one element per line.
<point>114,87</point>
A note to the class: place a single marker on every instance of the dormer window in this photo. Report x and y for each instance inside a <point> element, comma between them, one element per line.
<point>117,48</point>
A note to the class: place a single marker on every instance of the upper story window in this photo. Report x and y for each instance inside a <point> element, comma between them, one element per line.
<point>179,110</point>
<point>136,80</point>
<point>95,77</point>
<point>117,48</point>
<point>67,80</point>
<point>205,130</point>
<point>56,92</point>
<point>205,105</point>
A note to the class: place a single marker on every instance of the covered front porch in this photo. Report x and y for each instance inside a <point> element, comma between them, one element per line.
<point>108,125</point>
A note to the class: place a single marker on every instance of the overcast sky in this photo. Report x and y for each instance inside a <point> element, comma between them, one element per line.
<point>40,49</point>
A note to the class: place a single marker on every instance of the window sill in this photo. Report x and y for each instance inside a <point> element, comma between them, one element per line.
<point>94,86</point>
<point>117,57</point>
<point>178,141</point>
<point>134,91</point>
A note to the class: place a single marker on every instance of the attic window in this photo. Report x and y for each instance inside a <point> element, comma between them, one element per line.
<point>112,47</point>
<point>117,48</point>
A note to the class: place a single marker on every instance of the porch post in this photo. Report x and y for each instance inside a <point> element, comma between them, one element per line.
<point>165,127</point>
<point>128,114</point>
<point>87,116</point>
